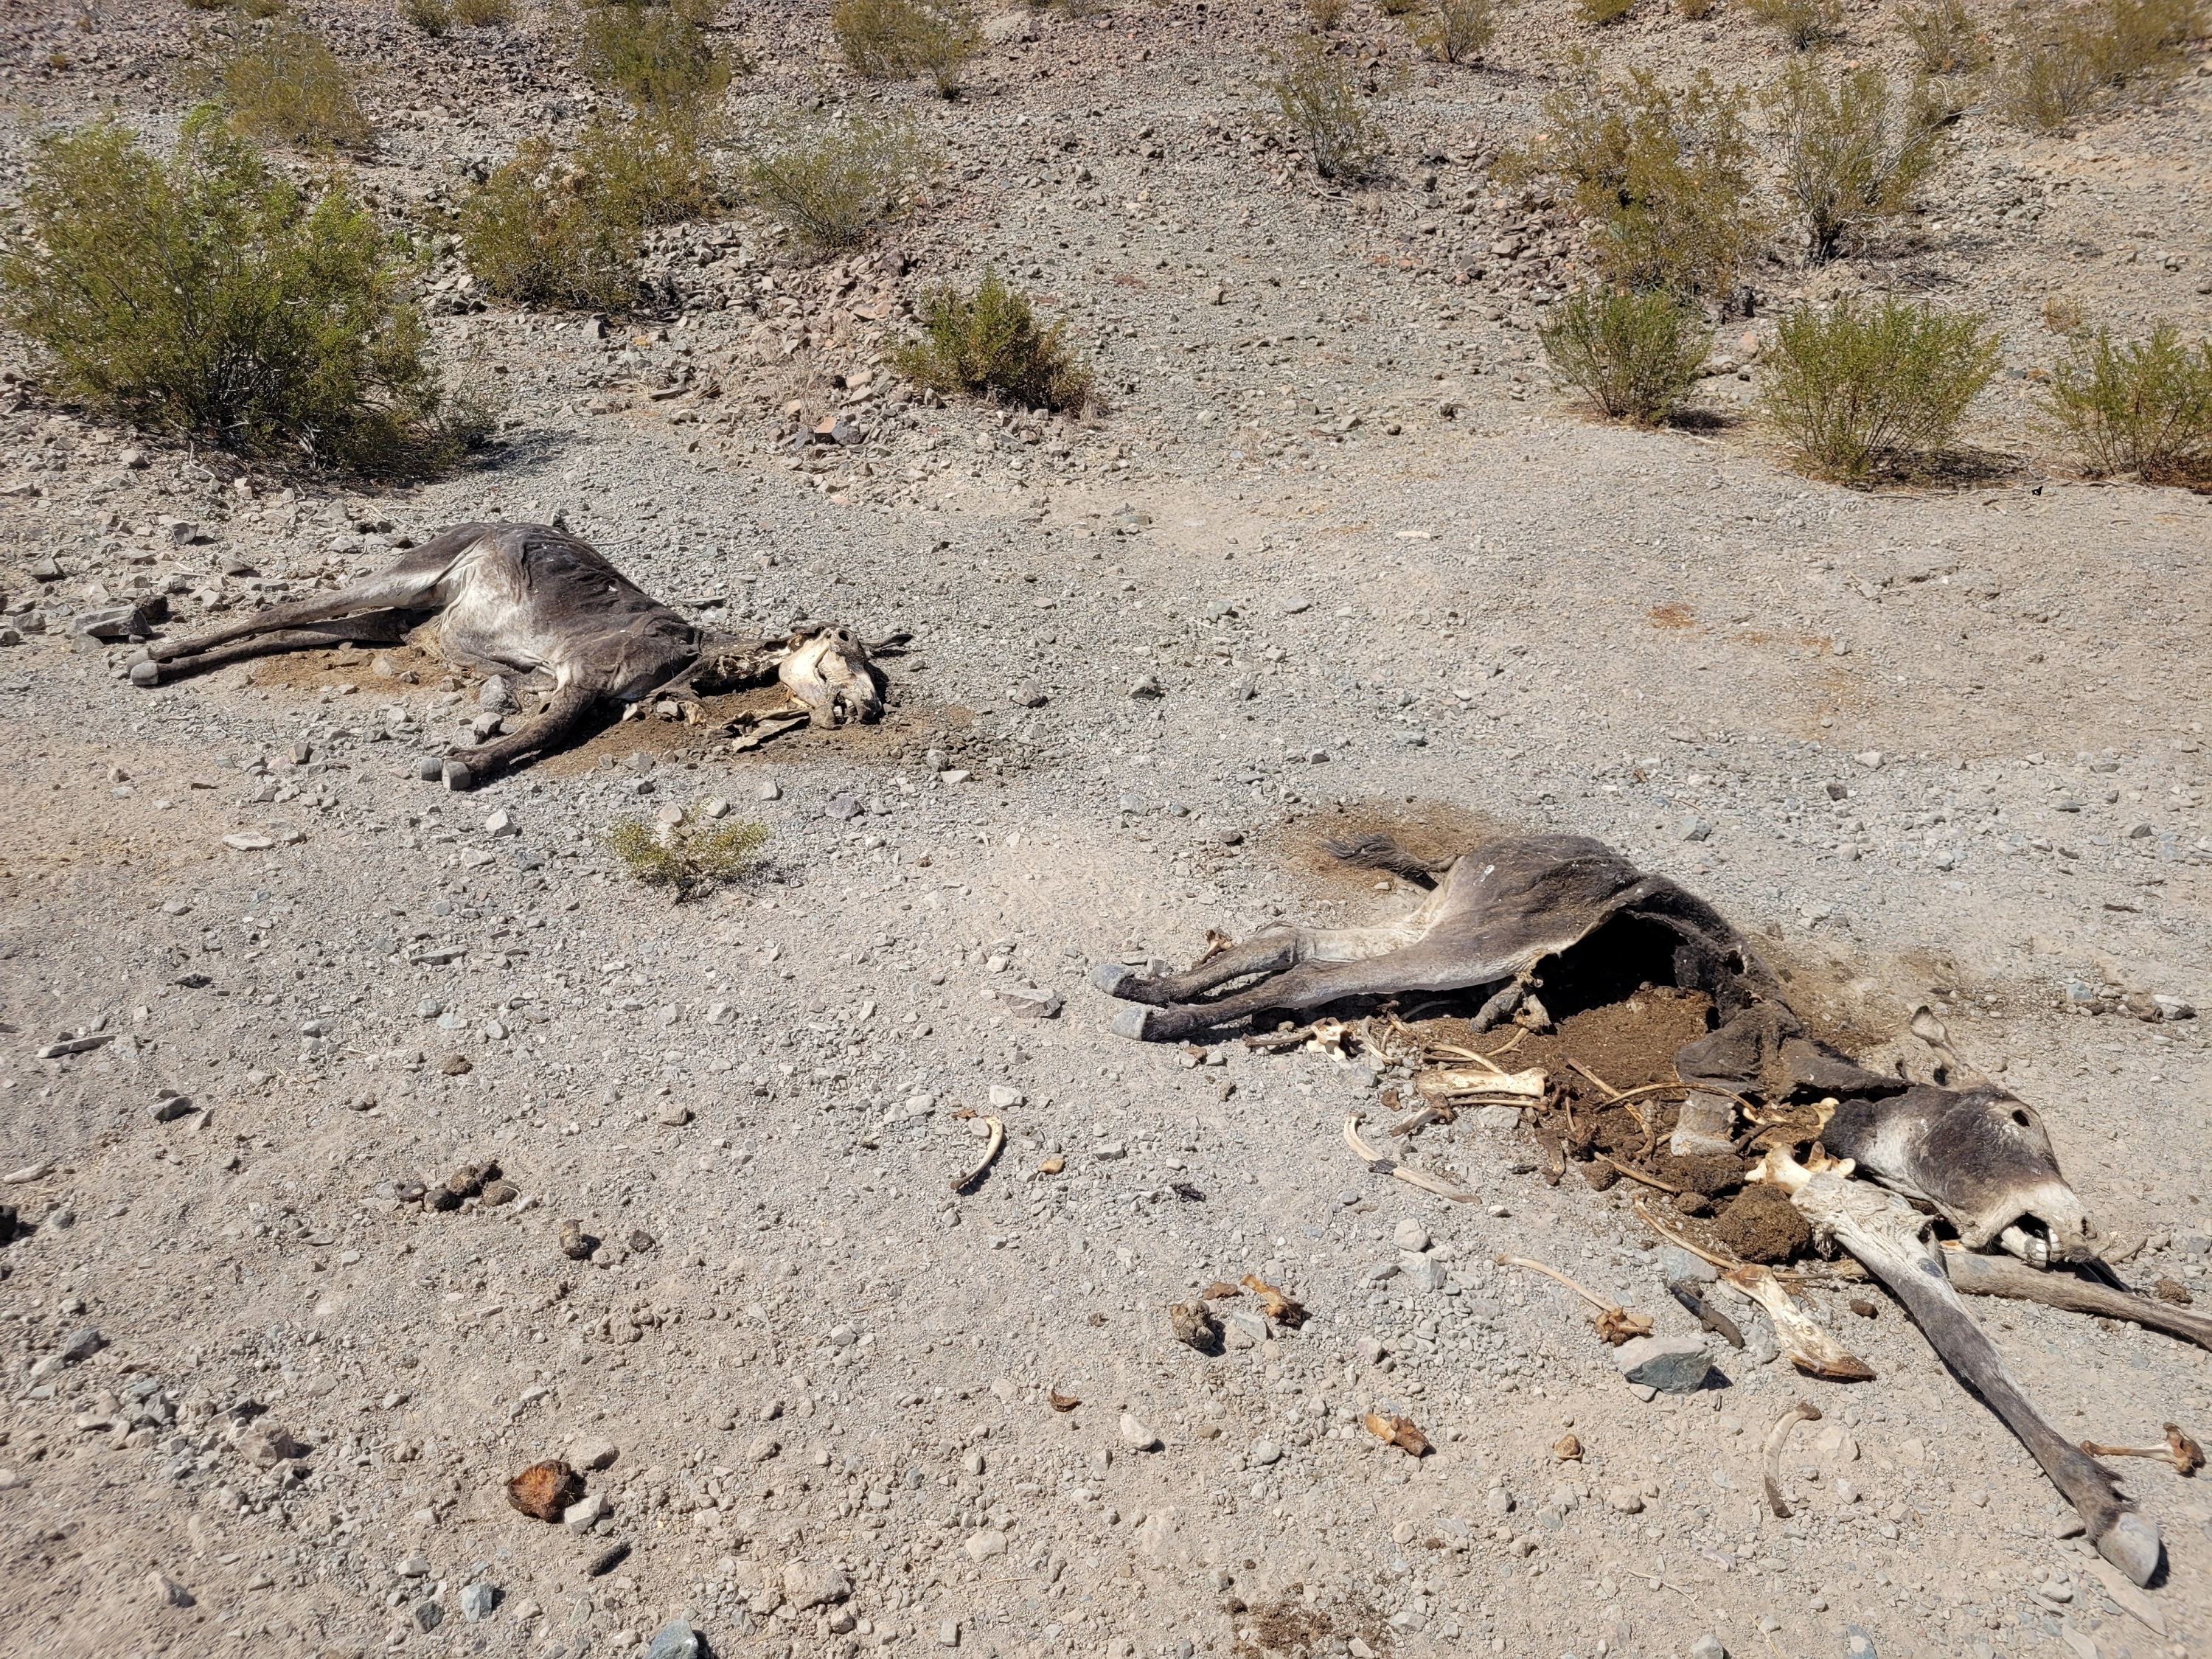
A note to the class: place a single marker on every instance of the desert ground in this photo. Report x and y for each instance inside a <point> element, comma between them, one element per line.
<point>1334,554</point>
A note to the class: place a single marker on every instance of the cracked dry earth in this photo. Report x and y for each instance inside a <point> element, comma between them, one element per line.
<point>1942,748</point>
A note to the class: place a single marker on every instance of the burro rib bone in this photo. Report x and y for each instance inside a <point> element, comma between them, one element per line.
<point>1890,1238</point>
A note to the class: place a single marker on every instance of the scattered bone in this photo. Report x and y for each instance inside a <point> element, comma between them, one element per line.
<point>1279,1307</point>
<point>1456,1083</point>
<point>1890,1238</point>
<point>1383,1164</point>
<point>1614,1323</point>
<point>990,1151</point>
<point>1061,1402</point>
<point>2185,1454</point>
<point>1811,1349</point>
<point>1399,1431</point>
<point>1771,1464</point>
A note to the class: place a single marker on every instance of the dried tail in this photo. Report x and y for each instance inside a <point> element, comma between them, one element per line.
<point>1381,852</point>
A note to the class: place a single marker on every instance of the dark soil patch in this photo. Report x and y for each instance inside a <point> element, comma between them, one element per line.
<point>1430,829</point>
<point>1761,1224</point>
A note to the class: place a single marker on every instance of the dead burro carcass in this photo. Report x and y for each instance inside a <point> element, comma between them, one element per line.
<point>531,599</point>
<point>1504,916</point>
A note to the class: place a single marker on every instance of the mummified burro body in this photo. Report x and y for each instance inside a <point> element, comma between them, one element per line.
<point>530,598</point>
<point>1501,913</point>
<point>1504,914</point>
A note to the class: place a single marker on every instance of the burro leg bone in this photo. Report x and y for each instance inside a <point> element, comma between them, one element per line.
<point>1889,1238</point>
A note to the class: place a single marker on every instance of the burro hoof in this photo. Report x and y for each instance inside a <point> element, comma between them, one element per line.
<point>1111,976</point>
<point>1134,1024</point>
<point>2132,1544</point>
<point>146,675</point>
<point>459,778</point>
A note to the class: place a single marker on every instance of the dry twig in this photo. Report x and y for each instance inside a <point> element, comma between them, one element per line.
<point>1771,1462</point>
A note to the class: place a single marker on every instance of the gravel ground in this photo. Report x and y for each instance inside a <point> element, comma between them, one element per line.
<point>1336,555</point>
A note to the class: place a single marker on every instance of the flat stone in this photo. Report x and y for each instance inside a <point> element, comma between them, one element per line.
<point>1677,1264</point>
<point>1671,1365</point>
<point>249,841</point>
<point>814,1584</point>
<point>593,1455</point>
<point>477,1602</point>
<point>674,1640</point>
<point>981,1546</point>
<point>582,1515</point>
<point>1410,1235</point>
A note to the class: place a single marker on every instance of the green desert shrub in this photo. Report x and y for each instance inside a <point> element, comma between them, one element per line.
<point>1861,389</point>
<point>651,168</point>
<point>2078,62</point>
<point>1321,104</point>
<point>1326,13</point>
<point>654,54</point>
<point>203,294</point>
<point>1460,30</point>
<point>1849,154</point>
<point>690,856</point>
<point>540,231</point>
<point>2143,406</point>
<point>1947,40</point>
<point>1633,355</point>
<point>831,183</point>
<point>988,343</point>
<point>1663,177</point>
<point>285,86</point>
<point>1600,13</point>
<point>1803,23</point>
<point>890,39</point>
<point>433,18</point>
<point>483,13</point>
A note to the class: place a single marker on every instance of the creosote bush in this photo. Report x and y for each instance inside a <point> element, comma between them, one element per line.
<point>1326,13</point>
<point>202,294</point>
<point>890,39</point>
<point>1634,355</point>
<point>1862,390</point>
<point>1397,8</point>
<point>284,86</point>
<point>651,168</point>
<point>1320,103</point>
<point>1664,176</point>
<point>989,343</point>
<point>433,17</point>
<point>2142,407</point>
<point>654,54</point>
<point>1848,157</point>
<point>483,13</point>
<point>692,855</point>
<point>1804,23</point>
<point>1600,13</point>
<point>541,232</point>
<point>1947,40</point>
<point>830,184</point>
<point>2081,61</point>
<point>1460,30</point>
